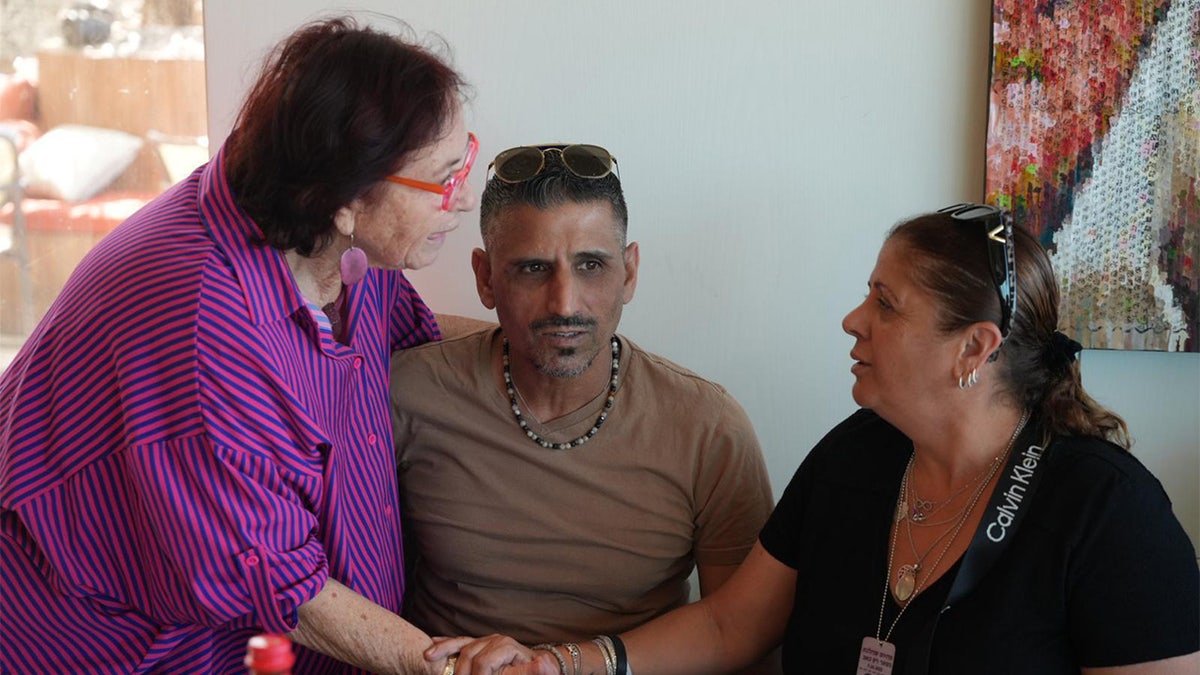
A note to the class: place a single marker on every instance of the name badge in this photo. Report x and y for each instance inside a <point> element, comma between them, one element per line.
<point>876,657</point>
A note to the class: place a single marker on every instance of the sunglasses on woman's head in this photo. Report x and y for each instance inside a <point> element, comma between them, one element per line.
<point>522,163</point>
<point>1001,253</point>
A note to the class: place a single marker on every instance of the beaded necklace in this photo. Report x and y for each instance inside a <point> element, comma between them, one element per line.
<point>608,404</point>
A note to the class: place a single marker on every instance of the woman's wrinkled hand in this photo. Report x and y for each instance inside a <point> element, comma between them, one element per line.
<point>493,654</point>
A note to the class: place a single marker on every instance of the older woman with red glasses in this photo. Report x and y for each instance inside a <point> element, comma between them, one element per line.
<point>981,514</point>
<point>195,443</point>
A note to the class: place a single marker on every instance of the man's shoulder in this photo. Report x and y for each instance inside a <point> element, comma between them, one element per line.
<point>660,372</point>
<point>453,362</point>
<point>447,350</point>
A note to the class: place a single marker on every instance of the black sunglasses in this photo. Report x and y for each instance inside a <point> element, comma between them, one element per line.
<point>1001,253</point>
<point>524,162</point>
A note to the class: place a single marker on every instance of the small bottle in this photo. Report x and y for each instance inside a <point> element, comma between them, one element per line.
<point>269,654</point>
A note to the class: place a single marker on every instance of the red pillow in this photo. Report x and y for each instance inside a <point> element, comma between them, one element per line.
<point>18,99</point>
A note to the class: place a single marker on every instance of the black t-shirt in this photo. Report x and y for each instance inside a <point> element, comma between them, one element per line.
<point>1100,573</point>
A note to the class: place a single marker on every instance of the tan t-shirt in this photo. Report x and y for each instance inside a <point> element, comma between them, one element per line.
<point>542,544</point>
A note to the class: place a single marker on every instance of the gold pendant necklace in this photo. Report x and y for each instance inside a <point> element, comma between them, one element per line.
<point>906,582</point>
<point>906,577</point>
<point>906,586</point>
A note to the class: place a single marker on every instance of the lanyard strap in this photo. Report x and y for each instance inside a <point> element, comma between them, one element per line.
<point>998,527</point>
<point>1005,512</point>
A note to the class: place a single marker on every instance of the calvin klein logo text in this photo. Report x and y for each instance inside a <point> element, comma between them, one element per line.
<point>1018,480</point>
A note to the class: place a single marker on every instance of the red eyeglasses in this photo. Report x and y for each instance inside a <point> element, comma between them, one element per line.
<point>447,189</point>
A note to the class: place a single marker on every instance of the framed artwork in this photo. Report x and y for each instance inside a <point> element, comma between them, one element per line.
<point>1094,145</point>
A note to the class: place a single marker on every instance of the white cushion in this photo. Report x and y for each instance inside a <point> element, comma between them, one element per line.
<point>75,162</point>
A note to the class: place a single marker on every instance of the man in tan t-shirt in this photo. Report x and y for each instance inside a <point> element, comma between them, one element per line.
<point>557,481</point>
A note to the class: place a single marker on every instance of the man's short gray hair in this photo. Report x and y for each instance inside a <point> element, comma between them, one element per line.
<point>555,185</point>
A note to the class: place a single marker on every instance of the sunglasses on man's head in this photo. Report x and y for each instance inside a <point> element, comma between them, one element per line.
<point>522,163</point>
<point>1001,253</point>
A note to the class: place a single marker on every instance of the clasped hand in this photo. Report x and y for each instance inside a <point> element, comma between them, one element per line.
<point>497,654</point>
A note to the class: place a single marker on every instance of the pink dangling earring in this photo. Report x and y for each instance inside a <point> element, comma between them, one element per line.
<point>353,264</point>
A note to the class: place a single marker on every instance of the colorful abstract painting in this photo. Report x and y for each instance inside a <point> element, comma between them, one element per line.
<point>1094,145</point>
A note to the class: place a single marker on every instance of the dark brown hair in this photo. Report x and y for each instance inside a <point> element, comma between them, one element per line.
<point>335,109</point>
<point>949,259</point>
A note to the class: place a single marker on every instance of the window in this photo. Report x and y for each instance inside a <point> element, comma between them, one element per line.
<point>102,107</point>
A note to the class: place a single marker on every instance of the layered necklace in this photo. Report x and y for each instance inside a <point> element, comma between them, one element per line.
<point>906,577</point>
<point>613,381</point>
<point>905,585</point>
<point>919,510</point>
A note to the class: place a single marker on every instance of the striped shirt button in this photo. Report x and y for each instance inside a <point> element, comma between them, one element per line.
<point>251,560</point>
<point>357,362</point>
<point>371,438</point>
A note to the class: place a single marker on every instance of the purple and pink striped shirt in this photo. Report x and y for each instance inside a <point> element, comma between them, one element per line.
<point>186,456</point>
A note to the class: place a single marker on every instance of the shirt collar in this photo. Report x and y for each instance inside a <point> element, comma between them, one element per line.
<point>261,270</point>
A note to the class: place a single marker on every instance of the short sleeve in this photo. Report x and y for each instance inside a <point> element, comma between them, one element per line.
<point>856,446</point>
<point>1133,588</point>
<point>190,533</point>
<point>781,535</point>
<point>734,490</point>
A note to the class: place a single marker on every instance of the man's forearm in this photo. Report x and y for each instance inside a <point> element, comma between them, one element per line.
<point>350,628</point>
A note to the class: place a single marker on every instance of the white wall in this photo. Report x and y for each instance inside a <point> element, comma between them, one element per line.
<point>765,147</point>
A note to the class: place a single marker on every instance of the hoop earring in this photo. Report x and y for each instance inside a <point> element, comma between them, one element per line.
<point>970,380</point>
<point>353,264</point>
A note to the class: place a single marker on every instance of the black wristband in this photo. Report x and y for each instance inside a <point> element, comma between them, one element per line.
<point>619,648</point>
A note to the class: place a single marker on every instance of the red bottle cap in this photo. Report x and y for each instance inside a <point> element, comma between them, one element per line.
<point>268,653</point>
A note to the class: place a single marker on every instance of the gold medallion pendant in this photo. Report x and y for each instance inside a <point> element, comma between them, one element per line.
<point>906,582</point>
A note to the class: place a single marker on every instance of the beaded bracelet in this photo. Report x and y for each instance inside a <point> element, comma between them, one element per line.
<point>576,656</point>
